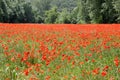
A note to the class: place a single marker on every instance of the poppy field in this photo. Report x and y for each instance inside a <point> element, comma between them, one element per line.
<point>59,52</point>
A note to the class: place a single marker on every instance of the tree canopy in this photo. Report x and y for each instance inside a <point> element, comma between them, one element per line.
<point>60,11</point>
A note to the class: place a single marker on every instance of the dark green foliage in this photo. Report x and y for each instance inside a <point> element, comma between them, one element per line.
<point>63,17</point>
<point>66,11</point>
<point>3,11</point>
<point>83,12</point>
<point>28,13</point>
<point>108,12</point>
<point>64,4</point>
<point>42,6</point>
<point>73,16</point>
<point>95,7</point>
<point>51,15</point>
<point>116,4</point>
<point>15,11</point>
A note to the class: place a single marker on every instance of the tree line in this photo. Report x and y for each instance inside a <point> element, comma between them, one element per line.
<point>60,11</point>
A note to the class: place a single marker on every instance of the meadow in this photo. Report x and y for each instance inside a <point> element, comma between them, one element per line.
<point>59,52</point>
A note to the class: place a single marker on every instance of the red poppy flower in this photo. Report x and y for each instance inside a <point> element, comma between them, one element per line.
<point>104,73</point>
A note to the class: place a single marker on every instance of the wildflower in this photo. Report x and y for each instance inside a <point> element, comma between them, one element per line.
<point>47,62</point>
<point>33,78</point>
<point>77,54</point>
<point>18,55</point>
<point>116,61</point>
<point>93,60</point>
<point>44,57</point>
<point>7,79</point>
<point>17,68</point>
<point>86,59</point>
<point>47,78</point>
<point>105,68</point>
<point>25,57</point>
<point>66,77</point>
<point>104,73</point>
<point>26,72</point>
<point>12,59</point>
<point>81,63</point>
<point>96,71</point>
<point>73,78</point>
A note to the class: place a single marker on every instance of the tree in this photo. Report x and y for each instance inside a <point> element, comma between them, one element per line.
<point>28,13</point>
<point>42,7</point>
<point>61,4</point>
<point>83,13</point>
<point>95,7</point>
<point>38,17</point>
<point>1,15</point>
<point>116,4</point>
<point>19,11</point>
<point>73,15</point>
<point>66,11</point>
<point>108,12</point>
<point>63,17</point>
<point>16,11</point>
<point>3,11</point>
<point>51,15</point>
